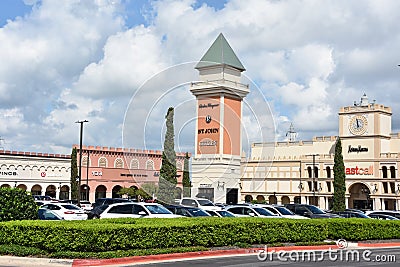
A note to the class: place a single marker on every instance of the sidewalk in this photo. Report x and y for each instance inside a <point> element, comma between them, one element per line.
<point>21,261</point>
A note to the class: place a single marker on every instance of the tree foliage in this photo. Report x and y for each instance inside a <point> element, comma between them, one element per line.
<point>339,180</point>
<point>74,174</point>
<point>167,179</point>
<point>186,177</point>
<point>17,204</point>
<point>138,194</point>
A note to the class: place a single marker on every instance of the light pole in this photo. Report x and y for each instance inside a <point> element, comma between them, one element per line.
<point>80,160</point>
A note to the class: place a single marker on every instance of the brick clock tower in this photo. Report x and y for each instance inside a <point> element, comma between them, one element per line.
<point>219,94</point>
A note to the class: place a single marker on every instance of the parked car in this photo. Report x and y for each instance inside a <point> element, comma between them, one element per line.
<point>202,203</point>
<point>187,211</point>
<point>382,217</point>
<point>66,211</point>
<point>137,210</point>
<point>109,201</point>
<point>46,214</point>
<point>86,205</point>
<point>221,213</point>
<point>43,198</point>
<point>95,212</point>
<point>351,214</point>
<point>250,211</point>
<point>310,211</point>
<point>280,211</point>
<point>384,212</point>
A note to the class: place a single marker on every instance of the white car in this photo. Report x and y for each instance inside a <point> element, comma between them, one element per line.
<point>221,213</point>
<point>137,210</point>
<point>201,203</point>
<point>250,211</point>
<point>66,211</point>
<point>281,211</point>
<point>86,205</point>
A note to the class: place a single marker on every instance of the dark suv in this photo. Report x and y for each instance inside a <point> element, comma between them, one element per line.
<point>310,211</point>
<point>109,201</point>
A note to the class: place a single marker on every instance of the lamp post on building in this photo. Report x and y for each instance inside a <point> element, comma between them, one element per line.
<point>80,160</point>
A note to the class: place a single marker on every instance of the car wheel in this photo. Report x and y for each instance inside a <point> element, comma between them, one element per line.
<point>96,217</point>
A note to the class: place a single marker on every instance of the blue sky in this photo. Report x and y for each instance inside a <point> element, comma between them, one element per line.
<point>68,60</point>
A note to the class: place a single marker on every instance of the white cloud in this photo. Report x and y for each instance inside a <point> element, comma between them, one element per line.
<point>72,60</point>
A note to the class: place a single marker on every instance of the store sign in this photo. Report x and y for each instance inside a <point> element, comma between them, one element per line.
<point>205,185</point>
<point>9,173</point>
<point>207,131</point>
<point>209,105</point>
<point>208,143</point>
<point>97,173</point>
<point>357,149</point>
<point>360,171</point>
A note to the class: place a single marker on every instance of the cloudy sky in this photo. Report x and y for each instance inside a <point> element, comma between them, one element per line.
<point>120,63</point>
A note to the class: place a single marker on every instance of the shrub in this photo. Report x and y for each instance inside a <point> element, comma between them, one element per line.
<point>17,204</point>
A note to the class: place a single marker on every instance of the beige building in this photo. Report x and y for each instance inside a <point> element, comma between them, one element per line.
<point>371,157</point>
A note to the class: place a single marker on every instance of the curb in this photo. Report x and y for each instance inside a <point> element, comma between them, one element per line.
<point>191,255</point>
<point>21,261</point>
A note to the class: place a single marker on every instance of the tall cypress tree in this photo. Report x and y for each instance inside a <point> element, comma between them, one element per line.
<point>167,179</point>
<point>186,177</point>
<point>339,179</point>
<point>74,174</point>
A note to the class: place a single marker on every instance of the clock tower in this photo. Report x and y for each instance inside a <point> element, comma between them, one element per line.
<point>365,129</point>
<point>219,95</point>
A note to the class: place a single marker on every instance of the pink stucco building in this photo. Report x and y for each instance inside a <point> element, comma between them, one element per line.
<point>111,169</point>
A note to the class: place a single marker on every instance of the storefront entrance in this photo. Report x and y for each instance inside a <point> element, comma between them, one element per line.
<point>232,195</point>
<point>360,197</point>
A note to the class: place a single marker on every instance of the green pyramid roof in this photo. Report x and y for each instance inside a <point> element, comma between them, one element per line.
<point>220,53</point>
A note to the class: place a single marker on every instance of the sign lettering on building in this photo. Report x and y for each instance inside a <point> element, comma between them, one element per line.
<point>209,105</point>
<point>205,185</point>
<point>360,171</point>
<point>357,149</point>
<point>207,131</point>
<point>97,173</point>
<point>10,173</point>
<point>208,143</point>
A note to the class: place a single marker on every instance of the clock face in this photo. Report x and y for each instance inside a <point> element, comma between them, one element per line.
<point>358,125</point>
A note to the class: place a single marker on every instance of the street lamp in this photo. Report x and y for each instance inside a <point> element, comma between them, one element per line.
<point>80,160</point>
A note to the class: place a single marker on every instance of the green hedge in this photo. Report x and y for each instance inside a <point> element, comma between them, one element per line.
<point>127,234</point>
<point>17,204</point>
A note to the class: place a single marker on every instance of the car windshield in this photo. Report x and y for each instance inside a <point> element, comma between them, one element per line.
<point>70,207</point>
<point>156,209</point>
<point>225,213</point>
<point>198,212</point>
<point>264,212</point>
<point>315,210</point>
<point>284,211</point>
<point>204,202</point>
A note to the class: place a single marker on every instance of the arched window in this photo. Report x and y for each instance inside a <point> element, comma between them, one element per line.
<point>309,172</point>
<point>119,163</point>
<point>85,161</point>
<point>328,172</point>
<point>179,166</point>
<point>134,164</point>
<point>103,162</point>
<point>316,172</point>
<point>392,172</point>
<point>150,165</point>
<point>384,172</point>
